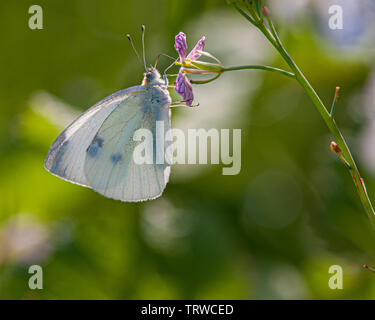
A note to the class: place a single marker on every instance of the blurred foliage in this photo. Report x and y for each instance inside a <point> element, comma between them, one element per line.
<point>270,232</point>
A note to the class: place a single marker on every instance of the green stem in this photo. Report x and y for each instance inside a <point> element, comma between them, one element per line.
<point>205,81</point>
<point>274,39</point>
<point>245,15</point>
<point>368,268</point>
<point>258,67</point>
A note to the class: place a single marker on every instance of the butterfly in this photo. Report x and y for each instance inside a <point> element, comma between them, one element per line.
<point>96,149</point>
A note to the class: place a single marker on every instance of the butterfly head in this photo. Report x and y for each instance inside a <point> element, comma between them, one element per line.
<point>152,77</point>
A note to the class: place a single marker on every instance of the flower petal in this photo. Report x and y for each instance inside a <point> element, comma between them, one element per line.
<point>194,55</point>
<point>184,88</point>
<point>180,45</point>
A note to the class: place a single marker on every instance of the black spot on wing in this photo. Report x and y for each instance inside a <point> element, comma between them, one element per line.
<point>116,157</point>
<point>94,147</point>
<point>99,141</point>
<point>92,151</point>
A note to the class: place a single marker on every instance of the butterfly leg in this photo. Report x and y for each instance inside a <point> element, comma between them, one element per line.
<point>183,104</point>
<point>165,75</point>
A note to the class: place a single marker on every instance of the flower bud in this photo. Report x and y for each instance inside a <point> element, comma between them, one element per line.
<point>335,148</point>
<point>265,11</point>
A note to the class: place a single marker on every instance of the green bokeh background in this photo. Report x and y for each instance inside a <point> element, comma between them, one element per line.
<point>271,232</point>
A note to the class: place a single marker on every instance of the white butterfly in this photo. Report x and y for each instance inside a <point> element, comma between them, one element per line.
<point>96,150</point>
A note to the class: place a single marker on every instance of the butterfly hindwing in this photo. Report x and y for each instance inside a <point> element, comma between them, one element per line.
<point>67,154</point>
<point>109,165</point>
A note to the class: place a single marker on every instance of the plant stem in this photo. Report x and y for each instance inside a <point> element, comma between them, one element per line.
<point>266,68</point>
<point>274,39</point>
<point>368,268</point>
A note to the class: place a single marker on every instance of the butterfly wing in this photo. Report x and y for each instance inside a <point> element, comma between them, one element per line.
<point>109,165</point>
<point>67,154</point>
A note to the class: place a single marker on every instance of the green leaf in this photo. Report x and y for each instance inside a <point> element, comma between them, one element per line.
<point>258,6</point>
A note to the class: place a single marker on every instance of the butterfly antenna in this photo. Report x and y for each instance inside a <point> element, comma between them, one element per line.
<point>170,66</point>
<point>135,50</point>
<point>143,46</point>
<point>162,54</point>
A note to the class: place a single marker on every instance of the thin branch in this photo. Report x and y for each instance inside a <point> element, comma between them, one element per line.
<point>335,98</point>
<point>272,35</point>
<point>244,14</point>
<point>259,67</point>
<point>368,268</point>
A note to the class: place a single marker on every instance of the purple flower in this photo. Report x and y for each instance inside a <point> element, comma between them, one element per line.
<point>194,55</point>
<point>184,89</point>
<point>181,46</point>
<point>183,86</point>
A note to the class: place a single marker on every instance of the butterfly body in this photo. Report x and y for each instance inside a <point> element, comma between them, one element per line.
<point>96,150</point>
<point>156,93</point>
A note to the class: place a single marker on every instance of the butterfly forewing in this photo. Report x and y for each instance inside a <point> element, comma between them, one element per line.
<point>67,154</point>
<point>109,165</point>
